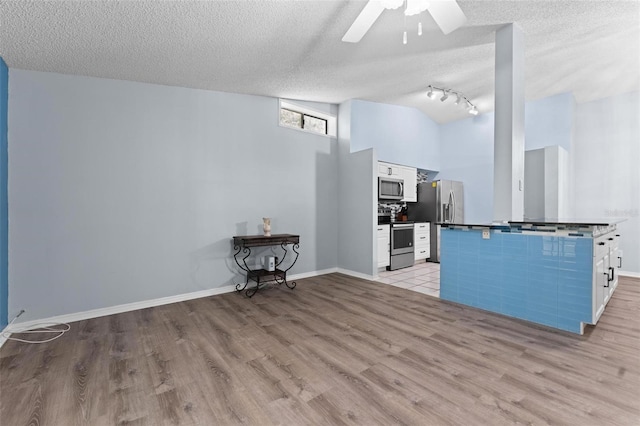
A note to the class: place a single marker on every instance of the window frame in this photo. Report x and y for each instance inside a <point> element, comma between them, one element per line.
<point>330,120</point>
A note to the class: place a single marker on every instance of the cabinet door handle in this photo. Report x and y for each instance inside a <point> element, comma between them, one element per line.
<point>611,239</point>
<point>619,261</point>
<point>601,243</point>
<point>611,277</point>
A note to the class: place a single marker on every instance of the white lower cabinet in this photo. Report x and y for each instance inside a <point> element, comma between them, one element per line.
<point>607,263</point>
<point>422,240</point>
<point>384,245</point>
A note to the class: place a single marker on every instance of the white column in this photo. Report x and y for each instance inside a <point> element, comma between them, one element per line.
<point>508,148</point>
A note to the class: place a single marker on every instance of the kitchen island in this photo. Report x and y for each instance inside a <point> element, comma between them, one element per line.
<point>560,274</point>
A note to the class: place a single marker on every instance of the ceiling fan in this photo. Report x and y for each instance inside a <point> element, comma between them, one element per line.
<point>446,13</point>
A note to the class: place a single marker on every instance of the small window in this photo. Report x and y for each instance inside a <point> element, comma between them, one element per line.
<point>314,124</point>
<point>290,118</point>
<point>305,119</point>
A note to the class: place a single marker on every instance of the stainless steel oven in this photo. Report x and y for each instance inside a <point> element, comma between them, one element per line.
<point>402,250</point>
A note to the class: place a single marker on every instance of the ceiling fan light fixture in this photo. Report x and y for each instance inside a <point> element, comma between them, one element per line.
<point>391,4</point>
<point>446,13</point>
<point>415,7</point>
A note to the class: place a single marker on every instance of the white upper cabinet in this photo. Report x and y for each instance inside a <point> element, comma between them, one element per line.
<point>410,177</point>
<point>389,170</point>
<point>408,174</point>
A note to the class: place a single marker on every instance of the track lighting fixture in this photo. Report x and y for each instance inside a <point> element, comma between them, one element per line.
<point>461,100</point>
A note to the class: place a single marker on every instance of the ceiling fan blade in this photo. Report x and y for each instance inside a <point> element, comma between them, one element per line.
<point>363,22</point>
<point>447,15</point>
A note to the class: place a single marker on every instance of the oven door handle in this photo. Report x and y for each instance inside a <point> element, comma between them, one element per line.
<point>403,225</point>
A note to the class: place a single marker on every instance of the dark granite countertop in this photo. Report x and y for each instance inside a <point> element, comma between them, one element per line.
<point>542,222</point>
<point>580,227</point>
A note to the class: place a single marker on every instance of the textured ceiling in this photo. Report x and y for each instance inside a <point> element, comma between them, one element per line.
<point>292,49</point>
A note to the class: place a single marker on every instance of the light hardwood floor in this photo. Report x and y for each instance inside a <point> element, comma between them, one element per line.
<point>336,350</point>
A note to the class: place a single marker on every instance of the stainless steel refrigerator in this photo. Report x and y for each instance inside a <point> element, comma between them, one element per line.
<point>440,201</point>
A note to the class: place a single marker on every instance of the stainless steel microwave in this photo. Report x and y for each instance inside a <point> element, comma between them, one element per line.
<point>390,188</point>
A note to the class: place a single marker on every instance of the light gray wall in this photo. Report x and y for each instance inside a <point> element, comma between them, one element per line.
<point>546,175</point>
<point>534,184</point>
<point>122,192</point>
<point>509,145</point>
<point>467,150</point>
<point>607,167</point>
<point>357,246</point>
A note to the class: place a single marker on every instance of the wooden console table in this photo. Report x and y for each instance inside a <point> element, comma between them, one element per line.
<point>243,243</point>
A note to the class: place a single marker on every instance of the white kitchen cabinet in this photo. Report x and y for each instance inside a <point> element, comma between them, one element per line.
<point>607,262</point>
<point>408,174</point>
<point>384,245</point>
<point>410,177</point>
<point>422,240</point>
<point>389,170</point>
<point>614,261</point>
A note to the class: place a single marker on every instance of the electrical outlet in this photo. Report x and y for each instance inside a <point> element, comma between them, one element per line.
<point>486,234</point>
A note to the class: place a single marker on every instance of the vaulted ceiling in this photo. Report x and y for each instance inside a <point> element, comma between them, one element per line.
<point>293,49</point>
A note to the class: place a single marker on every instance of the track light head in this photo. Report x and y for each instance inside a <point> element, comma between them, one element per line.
<point>458,99</point>
<point>431,94</point>
<point>473,110</point>
<point>445,96</point>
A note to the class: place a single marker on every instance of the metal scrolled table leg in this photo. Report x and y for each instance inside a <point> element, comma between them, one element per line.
<point>245,268</point>
<point>295,248</point>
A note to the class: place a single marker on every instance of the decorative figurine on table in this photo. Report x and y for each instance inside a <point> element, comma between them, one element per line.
<point>266,226</point>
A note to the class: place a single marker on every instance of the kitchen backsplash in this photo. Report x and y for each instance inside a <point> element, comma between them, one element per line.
<point>422,176</point>
<point>392,207</point>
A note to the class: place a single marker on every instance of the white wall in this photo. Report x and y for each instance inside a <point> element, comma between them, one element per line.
<point>606,158</point>
<point>548,121</point>
<point>400,135</point>
<point>122,192</point>
<point>466,154</point>
<point>466,149</point>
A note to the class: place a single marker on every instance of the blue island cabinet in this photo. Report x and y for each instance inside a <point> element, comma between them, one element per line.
<point>558,275</point>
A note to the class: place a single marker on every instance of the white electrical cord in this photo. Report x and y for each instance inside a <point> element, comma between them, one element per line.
<point>46,327</point>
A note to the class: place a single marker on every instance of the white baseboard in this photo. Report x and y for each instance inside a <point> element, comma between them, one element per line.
<point>629,274</point>
<point>356,274</point>
<point>2,338</point>
<point>311,274</point>
<point>101,312</point>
